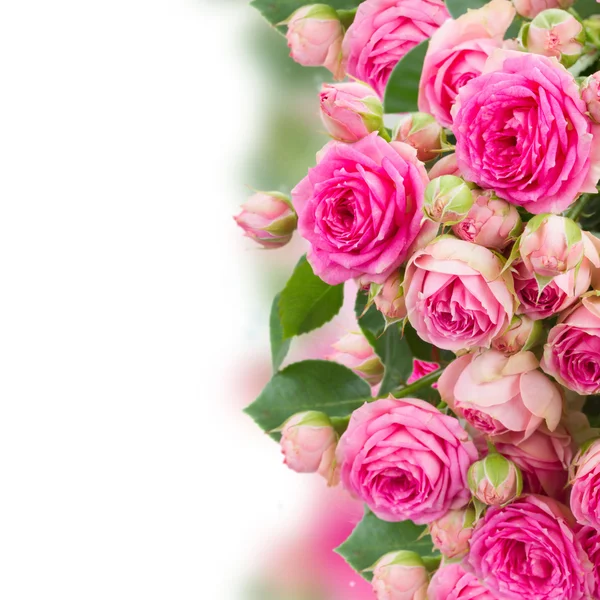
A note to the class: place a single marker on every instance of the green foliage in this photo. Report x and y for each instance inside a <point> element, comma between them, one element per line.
<point>586,8</point>
<point>459,7</point>
<point>372,538</point>
<point>307,302</point>
<point>279,344</point>
<point>309,385</point>
<point>276,11</point>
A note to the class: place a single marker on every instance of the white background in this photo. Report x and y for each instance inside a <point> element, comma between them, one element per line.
<point>126,470</point>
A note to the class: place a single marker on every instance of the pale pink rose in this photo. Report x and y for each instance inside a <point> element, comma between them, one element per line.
<point>457,53</point>
<point>523,334</point>
<point>445,166</point>
<point>589,538</point>
<point>383,31</point>
<point>452,582</point>
<point>531,8</point>
<point>528,550</point>
<point>400,576</point>
<point>590,92</point>
<point>422,132</point>
<point>315,36</point>
<point>406,460</point>
<point>572,352</point>
<point>451,534</point>
<point>495,480</point>
<point>390,298</point>
<point>521,130</point>
<point>491,222</point>
<point>360,209</point>
<point>350,111</point>
<point>268,218</point>
<point>420,369</point>
<point>354,351</point>
<point>456,294</point>
<point>497,393</point>
<point>585,501</point>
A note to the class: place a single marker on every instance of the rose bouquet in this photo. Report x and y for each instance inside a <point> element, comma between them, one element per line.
<point>459,194</point>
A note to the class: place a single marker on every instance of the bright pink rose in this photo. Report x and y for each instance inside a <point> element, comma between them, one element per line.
<point>491,222</point>
<point>451,534</point>
<point>590,92</point>
<point>456,294</point>
<point>354,351</point>
<point>497,393</point>
<point>572,352</point>
<point>350,111</point>
<point>528,550</point>
<point>360,209</point>
<point>521,130</point>
<point>457,53</point>
<point>445,166</point>
<point>589,538</point>
<point>383,32</point>
<point>400,576</point>
<point>420,369</point>
<point>585,501</point>
<point>452,582</point>
<point>406,460</point>
<point>531,8</point>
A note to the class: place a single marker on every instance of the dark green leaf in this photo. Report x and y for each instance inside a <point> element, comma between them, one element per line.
<point>372,538</point>
<point>279,344</point>
<point>276,11</point>
<point>309,385</point>
<point>307,302</point>
<point>586,8</point>
<point>459,7</point>
<point>402,91</point>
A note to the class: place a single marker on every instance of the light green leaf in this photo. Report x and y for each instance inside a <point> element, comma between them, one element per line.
<point>276,11</point>
<point>279,344</point>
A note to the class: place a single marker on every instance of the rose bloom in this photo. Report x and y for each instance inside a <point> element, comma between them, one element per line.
<point>585,502</point>
<point>528,549</point>
<point>452,582</point>
<point>531,8</point>
<point>521,130</point>
<point>572,352</point>
<point>497,393</point>
<point>360,209</point>
<point>406,460</point>
<point>456,294</point>
<point>457,53</point>
<point>383,31</point>
<point>589,538</point>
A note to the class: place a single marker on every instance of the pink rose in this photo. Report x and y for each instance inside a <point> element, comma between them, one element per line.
<point>354,351</point>
<point>585,502</point>
<point>589,538</point>
<point>452,582</point>
<point>422,132</point>
<point>572,352</point>
<point>445,166</point>
<point>524,333</point>
<point>360,209</point>
<point>383,32</point>
<point>400,576</point>
<point>528,549</point>
<point>315,36</point>
<point>590,92</point>
<point>457,53</point>
<point>350,111</point>
<point>521,130</point>
<point>390,298</point>
<point>420,369</point>
<point>451,534</point>
<point>491,222</point>
<point>497,393</point>
<point>456,294</point>
<point>406,460</point>
<point>531,8</point>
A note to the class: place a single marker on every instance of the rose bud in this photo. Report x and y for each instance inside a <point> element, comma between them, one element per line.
<point>585,502</point>
<point>421,368</point>
<point>491,222</point>
<point>556,33</point>
<point>355,352</point>
<point>448,200</point>
<point>268,218</point>
<point>422,132</point>
<point>590,92</point>
<point>390,298</point>
<point>495,480</point>
<point>531,8</point>
<point>315,36</point>
<point>550,246</point>
<point>400,576</point>
<point>451,534</point>
<point>445,166</point>
<point>350,111</point>
<point>523,334</point>
<point>308,442</point>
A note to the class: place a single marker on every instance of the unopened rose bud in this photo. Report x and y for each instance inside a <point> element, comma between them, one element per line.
<point>590,92</point>
<point>531,8</point>
<point>268,218</point>
<point>522,335</point>
<point>390,298</point>
<point>448,200</point>
<point>447,165</point>
<point>315,36</point>
<point>355,352</point>
<point>422,132</point>
<point>451,534</point>
<point>556,33</point>
<point>495,480</point>
<point>400,576</point>
<point>490,222</point>
<point>308,442</point>
<point>550,246</point>
<point>350,111</point>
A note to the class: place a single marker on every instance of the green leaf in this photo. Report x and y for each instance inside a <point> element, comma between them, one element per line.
<point>279,344</point>
<point>459,7</point>
<point>586,8</point>
<point>276,11</point>
<point>402,91</point>
<point>372,538</point>
<point>309,385</point>
<point>307,302</point>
